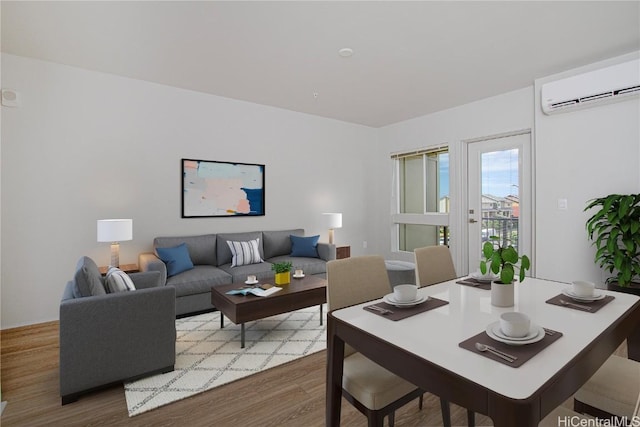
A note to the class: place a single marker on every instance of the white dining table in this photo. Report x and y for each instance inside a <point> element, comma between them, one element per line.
<point>424,349</point>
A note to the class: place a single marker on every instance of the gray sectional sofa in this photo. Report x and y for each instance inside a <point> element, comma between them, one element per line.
<point>211,258</point>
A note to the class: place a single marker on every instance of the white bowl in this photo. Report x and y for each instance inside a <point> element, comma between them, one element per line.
<point>515,324</point>
<point>405,293</point>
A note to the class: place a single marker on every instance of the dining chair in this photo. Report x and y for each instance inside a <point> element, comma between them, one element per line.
<point>370,388</point>
<point>613,391</point>
<point>433,265</point>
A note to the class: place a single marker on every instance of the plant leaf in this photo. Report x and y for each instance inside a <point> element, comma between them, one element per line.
<point>510,255</point>
<point>506,276</point>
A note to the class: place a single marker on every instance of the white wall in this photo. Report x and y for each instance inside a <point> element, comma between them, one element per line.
<point>85,146</point>
<point>508,112</point>
<point>581,155</point>
<point>577,156</point>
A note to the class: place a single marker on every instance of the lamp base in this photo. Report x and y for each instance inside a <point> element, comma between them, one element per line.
<point>331,236</point>
<point>115,255</point>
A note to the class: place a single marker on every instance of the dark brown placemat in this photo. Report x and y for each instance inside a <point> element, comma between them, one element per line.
<point>399,313</point>
<point>522,352</point>
<point>580,305</point>
<point>470,281</point>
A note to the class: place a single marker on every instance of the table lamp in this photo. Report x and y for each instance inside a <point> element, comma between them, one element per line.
<point>115,231</point>
<point>335,221</point>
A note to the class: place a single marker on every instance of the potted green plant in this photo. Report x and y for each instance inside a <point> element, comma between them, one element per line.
<point>614,230</point>
<point>283,272</point>
<point>503,260</point>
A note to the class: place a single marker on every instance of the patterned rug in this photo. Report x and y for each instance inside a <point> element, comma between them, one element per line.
<point>208,357</point>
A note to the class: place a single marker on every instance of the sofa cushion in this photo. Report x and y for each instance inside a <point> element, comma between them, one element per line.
<point>244,253</point>
<point>87,279</point>
<point>118,281</point>
<point>304,246</point>
<point>262,272</point>
<point>202,248</point>
<point>223,253</point>
<point>198,280</point>
<point>177,259</point>
<point>277,243</point>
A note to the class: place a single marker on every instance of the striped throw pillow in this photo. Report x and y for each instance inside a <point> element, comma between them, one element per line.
<point>118,281</point>
<point>244,253</point>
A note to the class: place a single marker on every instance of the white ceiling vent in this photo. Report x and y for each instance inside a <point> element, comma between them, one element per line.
<point>598,87</point>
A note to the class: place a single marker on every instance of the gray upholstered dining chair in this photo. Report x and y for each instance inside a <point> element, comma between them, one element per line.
<point>373,390</point>
<point>433,265</point>
<point>614,390</point>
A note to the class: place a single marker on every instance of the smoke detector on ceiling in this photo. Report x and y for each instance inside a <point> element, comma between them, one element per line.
<point>345,52</point>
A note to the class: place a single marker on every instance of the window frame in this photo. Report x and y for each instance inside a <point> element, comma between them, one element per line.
<point>438,219</point>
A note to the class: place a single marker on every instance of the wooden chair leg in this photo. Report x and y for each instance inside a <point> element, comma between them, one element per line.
<point>392,418</point>
<point>420,402</point>
<point>471,418</point>
<point>446,413</point>
<point>375,419</point>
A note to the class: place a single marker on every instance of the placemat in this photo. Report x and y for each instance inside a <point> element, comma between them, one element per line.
<point>522,352</point>
<point>589,307</point>
<point>470,281</point>
<point>399,313</point>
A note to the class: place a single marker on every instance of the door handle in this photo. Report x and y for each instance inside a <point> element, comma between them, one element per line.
<point>472,221</point>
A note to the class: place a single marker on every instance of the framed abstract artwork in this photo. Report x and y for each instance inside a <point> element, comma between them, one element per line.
<point>212,188</point>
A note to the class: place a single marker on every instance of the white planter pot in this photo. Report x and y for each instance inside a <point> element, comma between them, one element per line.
<point>502,295</point>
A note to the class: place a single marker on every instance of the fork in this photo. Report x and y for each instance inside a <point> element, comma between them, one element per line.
<point>573,304</point>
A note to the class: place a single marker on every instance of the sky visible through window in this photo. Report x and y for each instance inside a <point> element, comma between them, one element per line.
<point>499,173</point>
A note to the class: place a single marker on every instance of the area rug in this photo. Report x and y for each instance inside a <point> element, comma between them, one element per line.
<point>208,357</point>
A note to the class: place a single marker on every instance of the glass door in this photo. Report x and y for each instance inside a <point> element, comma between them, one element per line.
<point>499,194</point>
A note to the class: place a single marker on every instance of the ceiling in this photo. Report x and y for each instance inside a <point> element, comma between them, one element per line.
<point>410,58</point>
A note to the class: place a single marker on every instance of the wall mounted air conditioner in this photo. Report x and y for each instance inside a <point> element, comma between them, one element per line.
<point>603,86</point>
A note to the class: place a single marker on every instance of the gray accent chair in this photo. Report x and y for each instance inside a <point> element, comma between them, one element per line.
<point>110,338</point>
<point>211,258</point>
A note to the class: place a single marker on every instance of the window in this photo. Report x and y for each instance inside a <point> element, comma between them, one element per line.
<point>421,212</point>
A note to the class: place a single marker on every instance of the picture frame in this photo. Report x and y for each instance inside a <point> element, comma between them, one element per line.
<point>222,189</point>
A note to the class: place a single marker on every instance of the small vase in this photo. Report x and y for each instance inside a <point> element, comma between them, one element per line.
<point>283,278</point>
<point>501,294</point>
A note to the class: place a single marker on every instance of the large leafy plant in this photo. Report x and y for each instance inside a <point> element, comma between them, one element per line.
<point>615,232</point>
<point>503,260</point>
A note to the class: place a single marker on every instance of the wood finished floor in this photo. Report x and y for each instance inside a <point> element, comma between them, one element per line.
<point>289,395</point>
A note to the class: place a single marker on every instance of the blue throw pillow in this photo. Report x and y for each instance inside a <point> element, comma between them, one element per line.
<point>304,246</point>
<point>177,259</point>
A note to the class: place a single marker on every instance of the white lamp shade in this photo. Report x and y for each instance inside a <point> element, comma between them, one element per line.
<point>115,230</point>
<point>334,219</point>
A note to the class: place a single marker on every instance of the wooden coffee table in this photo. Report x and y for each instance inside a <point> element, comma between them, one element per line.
<point>300,293</point>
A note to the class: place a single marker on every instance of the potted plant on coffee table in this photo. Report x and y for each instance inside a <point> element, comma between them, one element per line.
<point>503,260</point>
<point>615,232</point>
<point>283,272</point>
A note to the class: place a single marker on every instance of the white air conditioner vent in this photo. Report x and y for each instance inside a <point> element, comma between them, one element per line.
<point>602,86</point>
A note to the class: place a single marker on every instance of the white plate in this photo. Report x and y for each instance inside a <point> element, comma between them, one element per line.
<point>251,283</point>
<point>538,335</point>
<point>389,299</point>
<point>298,277</point>
<point>487,278</point>
<point>595,297</point>
<point>497,330</point>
